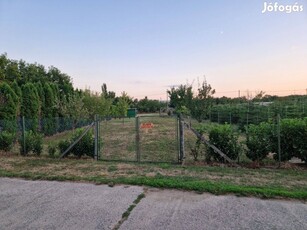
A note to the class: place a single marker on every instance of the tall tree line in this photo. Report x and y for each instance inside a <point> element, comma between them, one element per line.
<point>46,96</point>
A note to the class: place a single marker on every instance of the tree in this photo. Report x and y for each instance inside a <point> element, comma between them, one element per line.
<point>17,99</point>
<point>73,108</point>
<point>123,104</point>
<point>105,93</point>
<point>8,108</point>
<point>48,112</point>
<point>96,104</point>
<point>30,105</point>
<point>202,103</point>
<point>181,96</point>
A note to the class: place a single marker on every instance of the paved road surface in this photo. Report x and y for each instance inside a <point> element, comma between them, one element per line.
<point>62,205</point>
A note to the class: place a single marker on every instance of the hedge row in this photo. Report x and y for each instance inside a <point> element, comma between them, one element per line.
<point>261,140</point>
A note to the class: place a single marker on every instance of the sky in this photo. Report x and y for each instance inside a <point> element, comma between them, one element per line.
<point>144,47</point>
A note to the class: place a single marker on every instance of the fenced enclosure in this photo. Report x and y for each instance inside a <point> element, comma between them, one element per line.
<point>159,138</point>
<point>118,139</point>
<point>160,141</point>
<point>142,139</point>
<point>149,138</point>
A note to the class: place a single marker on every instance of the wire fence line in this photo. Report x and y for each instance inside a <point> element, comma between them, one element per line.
<point>149,138</point>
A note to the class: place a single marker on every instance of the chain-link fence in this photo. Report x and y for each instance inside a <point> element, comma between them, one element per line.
<point>141,139</point>
<point>287,137</point>
<point>24,135</point>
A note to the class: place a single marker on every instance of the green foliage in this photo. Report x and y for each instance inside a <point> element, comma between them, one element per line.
<point>293,139</point>
<point>123,104</point>
<point>30,105</point>
<point>51,150</point>
<point>183,110</point>
<point>6,140</point>
<point>8,102</point>
<point>259,140</point>
<point>63,145</point>
<point>33,142</point>
<point>201,104</point>
<point>182,99</point>
<point>96,104</point>
<point>149,106</point>
<point>48,111</point>
<point>225,139</point>
<point>198,147</point>
<point>180,96</point>
<point>262,139</point>
<point>84,147</point>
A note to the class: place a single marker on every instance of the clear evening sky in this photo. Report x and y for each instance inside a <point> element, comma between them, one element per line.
<point>144,46</point>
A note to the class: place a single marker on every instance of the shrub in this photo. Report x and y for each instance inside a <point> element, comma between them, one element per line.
<point>6,140</point>
<point>63,145</point>
<point>33,142</point>
<point>198,149</point>
<point>225,139</point>
<point>293,139</point>
<point>262,139</point>
<point>51,150</point>
<point>259,141</point>
<point>84,147</point>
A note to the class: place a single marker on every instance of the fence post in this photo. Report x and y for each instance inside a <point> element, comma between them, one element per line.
<point>96,138</point>
<point>23,135</point>
<point>177,137</point>
<point>181,139</point>
<point>99,139</point>
<point>137,138</point>
<point>278,137</point>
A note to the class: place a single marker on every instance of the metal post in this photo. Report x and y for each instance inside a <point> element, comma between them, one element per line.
<point>137,138</point>
<point>181,139</point>
<point>99,139</point>
<point>24,135</point>
<point>96,138</point>
<point>177,137</point>
<point>278,137</point>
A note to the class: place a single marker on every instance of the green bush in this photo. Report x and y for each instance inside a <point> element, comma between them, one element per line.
<point>259,141</point>
<point>263,138</point>
<point>293,139</point>
<point>63,145</point>
<point>33,142</point>
<point>198,149</point>
<point>225,139</point>
<point>6,140</point>
<point>52,150</point>
<point>84,147</point>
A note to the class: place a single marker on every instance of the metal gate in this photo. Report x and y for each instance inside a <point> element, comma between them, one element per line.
<point>141,139</point>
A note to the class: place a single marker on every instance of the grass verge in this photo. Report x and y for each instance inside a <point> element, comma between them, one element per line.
<point>217,180</point>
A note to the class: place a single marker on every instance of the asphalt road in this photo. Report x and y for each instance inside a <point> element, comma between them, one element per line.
<point>62,205</point>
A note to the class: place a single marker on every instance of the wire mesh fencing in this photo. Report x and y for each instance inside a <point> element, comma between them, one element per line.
<point>140,139</point>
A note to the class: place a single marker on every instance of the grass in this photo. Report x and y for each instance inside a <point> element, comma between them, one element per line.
<point>266,183</point>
